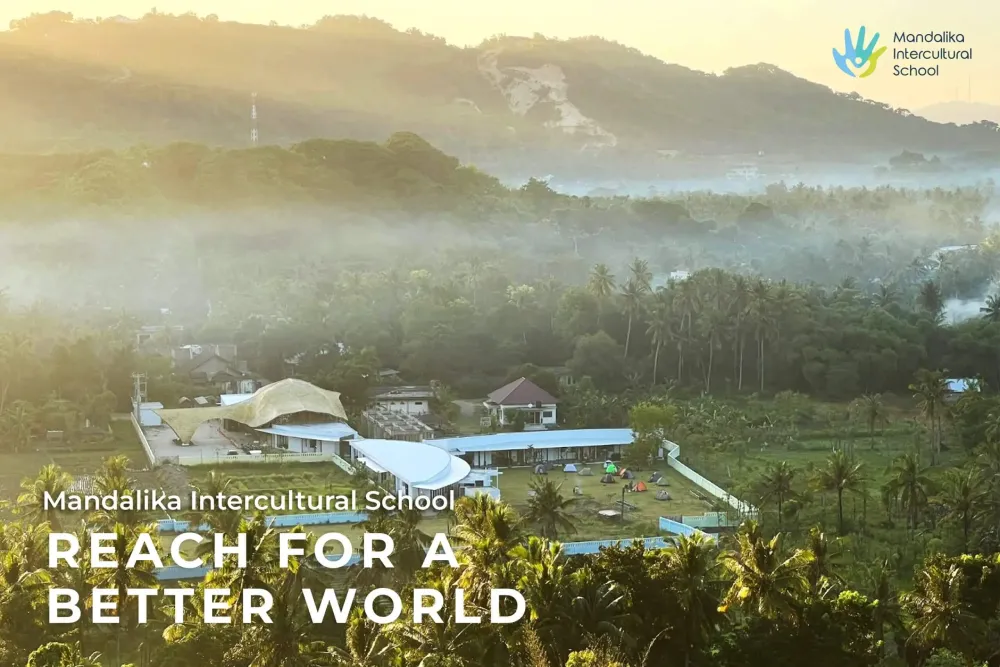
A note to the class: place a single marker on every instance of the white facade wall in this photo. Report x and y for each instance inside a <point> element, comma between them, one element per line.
<point>506,413</point>
<point>303,445</point>
<point>149,418</point>
<point>416,407</point>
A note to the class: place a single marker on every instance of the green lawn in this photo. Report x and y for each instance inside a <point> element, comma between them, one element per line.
<point>870,533</point>
<point>315,478</point>
<point>643,521</point>
<point>77,456</point>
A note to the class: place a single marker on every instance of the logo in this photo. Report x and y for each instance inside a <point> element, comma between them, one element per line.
<point>856,55</point>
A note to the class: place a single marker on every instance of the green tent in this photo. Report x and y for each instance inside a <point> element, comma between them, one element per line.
<point>611,469</point>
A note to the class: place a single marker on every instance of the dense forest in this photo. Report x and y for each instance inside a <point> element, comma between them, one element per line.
<point>797,343</point>
<point>112,82</point>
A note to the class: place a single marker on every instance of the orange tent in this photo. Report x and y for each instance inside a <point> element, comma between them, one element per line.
<point>641,486</point>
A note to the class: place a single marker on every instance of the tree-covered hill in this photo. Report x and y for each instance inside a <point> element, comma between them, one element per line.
<point>89,84</point>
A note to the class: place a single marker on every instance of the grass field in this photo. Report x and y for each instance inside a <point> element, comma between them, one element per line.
<point>315,478</point>
<point>77,457</point>
<point>640,522</point>
<point>871,533</point>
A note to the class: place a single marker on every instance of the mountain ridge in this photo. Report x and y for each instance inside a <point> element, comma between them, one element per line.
<point>111,83</point>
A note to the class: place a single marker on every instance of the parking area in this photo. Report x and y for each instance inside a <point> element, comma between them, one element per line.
<point>209,442</point>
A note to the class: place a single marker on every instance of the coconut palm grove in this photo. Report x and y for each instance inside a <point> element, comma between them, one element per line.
<point>822,344</point>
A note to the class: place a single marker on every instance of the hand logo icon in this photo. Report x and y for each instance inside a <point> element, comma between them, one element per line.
<point>857,55</point>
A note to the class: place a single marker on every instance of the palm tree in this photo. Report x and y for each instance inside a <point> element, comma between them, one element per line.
<point>63,655</point>
<point>632,301</point>
<point>931,299</point>
<point>991,309</point>
<point>764,579</point>
<point>365,645</point>
<point>448,644</point>
<point>219,519</point>
<point>282,642</point>
<point>740,303</point>
<point>598,607</point>
<point>713,322</point>
<point>547,509</point>
<point>962,494</point>
<point>491,530</point>
<point>841,474</point>
<point>886,296</point>
<point>759,314</point>
<point>262,562</point>
<point>520,297</point>
<point>930,389</point>
<point>988,463</point>
<point>51,482</point>
<point>641,275</point>
<point>684,304</point>
<point>691,571</point>
<point>819,572</point>
<point>601,285</point>
<point>776,485</point>
<point>659,333</point>
<point>18,423</point>
<point>870,408</point>
<point>909,486</point>
<point>120,578</point>
<point>887,612</point>
<point>940,617</point>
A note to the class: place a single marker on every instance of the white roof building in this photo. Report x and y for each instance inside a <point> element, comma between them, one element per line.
<point>413,466</point>
<point>233,399</point>
<point>418,465</point>
<point>533,447</point>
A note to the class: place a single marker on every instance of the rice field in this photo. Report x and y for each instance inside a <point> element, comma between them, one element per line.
<point>79,457</point>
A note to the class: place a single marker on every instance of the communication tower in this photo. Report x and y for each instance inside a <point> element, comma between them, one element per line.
<point>254,135</point>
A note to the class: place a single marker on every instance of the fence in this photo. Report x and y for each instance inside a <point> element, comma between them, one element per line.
<point>673,451</point>
<point>278,521</point>
<point>177,573</point>
<point>710,520</point>
<point>142,439</point>
<point>678,528</point>
<point>216,457</point>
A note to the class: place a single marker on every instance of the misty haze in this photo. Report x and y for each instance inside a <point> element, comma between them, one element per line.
<point>709,362</point>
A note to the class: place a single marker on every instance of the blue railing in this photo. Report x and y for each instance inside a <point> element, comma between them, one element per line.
<point>177,573</point>
<point>678,528</point>
<point>278,521</point>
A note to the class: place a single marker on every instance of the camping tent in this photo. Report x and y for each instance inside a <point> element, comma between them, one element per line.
<point>540,469</point>
<point>585,472</point>
<point>627,474</point>
<point>569,467</point>
<point>655,477</point>
<point>662,495</point>
<point>610,468</point>
<point>608,479</point>
<point>641,486</point>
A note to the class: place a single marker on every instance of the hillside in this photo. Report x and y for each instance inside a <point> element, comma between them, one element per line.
<point>80,85</point>
<point>961,112</point>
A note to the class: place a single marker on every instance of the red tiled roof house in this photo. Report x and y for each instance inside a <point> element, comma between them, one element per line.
<point>522,395</point>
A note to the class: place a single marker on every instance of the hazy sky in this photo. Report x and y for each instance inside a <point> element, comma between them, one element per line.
<point>797,35</point>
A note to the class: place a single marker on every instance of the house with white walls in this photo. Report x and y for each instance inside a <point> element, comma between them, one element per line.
<point>522,397</point>
<point>407,400</point>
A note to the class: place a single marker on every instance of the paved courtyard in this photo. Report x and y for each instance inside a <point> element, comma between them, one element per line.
<point>209,442</point>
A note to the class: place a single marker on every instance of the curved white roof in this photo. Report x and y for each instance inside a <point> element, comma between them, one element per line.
<point>328,432</point>
<point>418,464</point>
